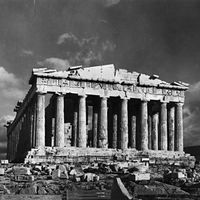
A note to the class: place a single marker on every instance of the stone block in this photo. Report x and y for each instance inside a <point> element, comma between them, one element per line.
<point>77,179</point>
<point>90,177</point>
<point>122,165</point>
<point>141,167</point>
<point>24,178</point>
<point>21,171</point>
<point>38,167</point>
<point>152,161</point>
<point>76,172</point>
<point>2,171</point>
<point>145,159</point>
<point>5,162</point>
<point>136,176</point>
<point>73,172</point>
<point>56,174</point>
<point>179,175</point>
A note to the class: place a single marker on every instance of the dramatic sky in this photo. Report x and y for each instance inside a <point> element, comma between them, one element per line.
<point>148,36</point>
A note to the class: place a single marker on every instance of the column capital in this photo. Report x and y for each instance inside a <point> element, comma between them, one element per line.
<point>144,100</point>
<point>124,98</point>
<point>82,95</point>
<point>162,101</point>
<point>179,104</point>
<point>60,93</point>
<point>104,96</point>
<point>40,92</point>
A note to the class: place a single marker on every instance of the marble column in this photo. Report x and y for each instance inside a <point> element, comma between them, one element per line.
<point>29,128</point>
<point>114,129</point>
<point>82,137</point>
<point>154,133</point>
<point>59,121</point>
<point>40,121</point>
<point>94,126</point>
<point>75,124</point>
<point>144,126</point>
<point>179,126</point>
<point>171,128</point>
<point>149,132</point>
<point>163,126</point>
<point>133,132</point>
<point>34,108</point>
<point>124,124</point>
<point>103,124</point>
<point>8,147</point>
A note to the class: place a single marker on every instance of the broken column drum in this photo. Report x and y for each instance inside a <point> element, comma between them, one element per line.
<point>110,108</point>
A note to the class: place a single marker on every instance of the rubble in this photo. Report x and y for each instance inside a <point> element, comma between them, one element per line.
<point>140,177</point>
<point>21,171</point>
<point>137,176</point>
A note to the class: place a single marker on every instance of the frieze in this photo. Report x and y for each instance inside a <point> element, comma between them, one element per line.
<point>109,86</point>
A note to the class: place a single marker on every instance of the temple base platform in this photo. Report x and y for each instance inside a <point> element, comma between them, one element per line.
<point>88,155</point>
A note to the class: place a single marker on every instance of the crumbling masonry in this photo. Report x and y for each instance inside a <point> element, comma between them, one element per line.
<point>97,108</point>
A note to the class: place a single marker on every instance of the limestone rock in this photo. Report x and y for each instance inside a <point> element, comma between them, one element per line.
<point>90,177</point>
<point>56,174</point>
<point>2,171</point>
<point>21,171</point>
<point>137,176</point>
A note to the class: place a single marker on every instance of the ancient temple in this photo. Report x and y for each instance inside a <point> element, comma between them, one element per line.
<point>97,107</point>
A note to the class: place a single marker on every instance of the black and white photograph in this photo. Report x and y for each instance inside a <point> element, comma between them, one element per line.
<point>99,99</point>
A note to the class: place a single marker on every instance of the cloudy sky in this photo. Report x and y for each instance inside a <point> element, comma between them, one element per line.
<point>148,36</point>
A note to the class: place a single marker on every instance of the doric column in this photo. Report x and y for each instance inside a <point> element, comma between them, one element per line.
<point>133,132</point>
<point>103,124</point>
<point>154,132</point>
<point>94,126</point>
<point>34,122</point>
<point>171,128</point>
<point>114,131</point>
<point>75,124</point>
<point>11,147</point>
<point>31,126</point>
<point>179,126</point>
<point>40,121</point>
<point>59,121</point>
<point>124,124</point>
<point>8,146</point>
<point>144,126</point>
<point>163,126</point>
<point>82,137</point>
<point>149,132</point>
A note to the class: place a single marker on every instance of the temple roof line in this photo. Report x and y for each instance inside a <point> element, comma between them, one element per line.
<point>107,73</point>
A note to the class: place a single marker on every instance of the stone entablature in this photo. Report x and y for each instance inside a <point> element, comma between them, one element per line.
<point>101,88</point>
<point>106,108</point>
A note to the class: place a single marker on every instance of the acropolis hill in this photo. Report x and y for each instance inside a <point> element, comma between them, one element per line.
<point>97,112</point>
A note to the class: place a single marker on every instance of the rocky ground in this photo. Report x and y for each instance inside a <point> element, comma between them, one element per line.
<point>95,180</point>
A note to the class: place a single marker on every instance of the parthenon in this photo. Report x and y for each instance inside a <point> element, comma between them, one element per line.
<point>97,107</point>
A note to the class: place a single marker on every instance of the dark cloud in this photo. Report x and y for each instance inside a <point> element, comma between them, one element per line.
<point>85,51</point>
<point>192,115</point>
